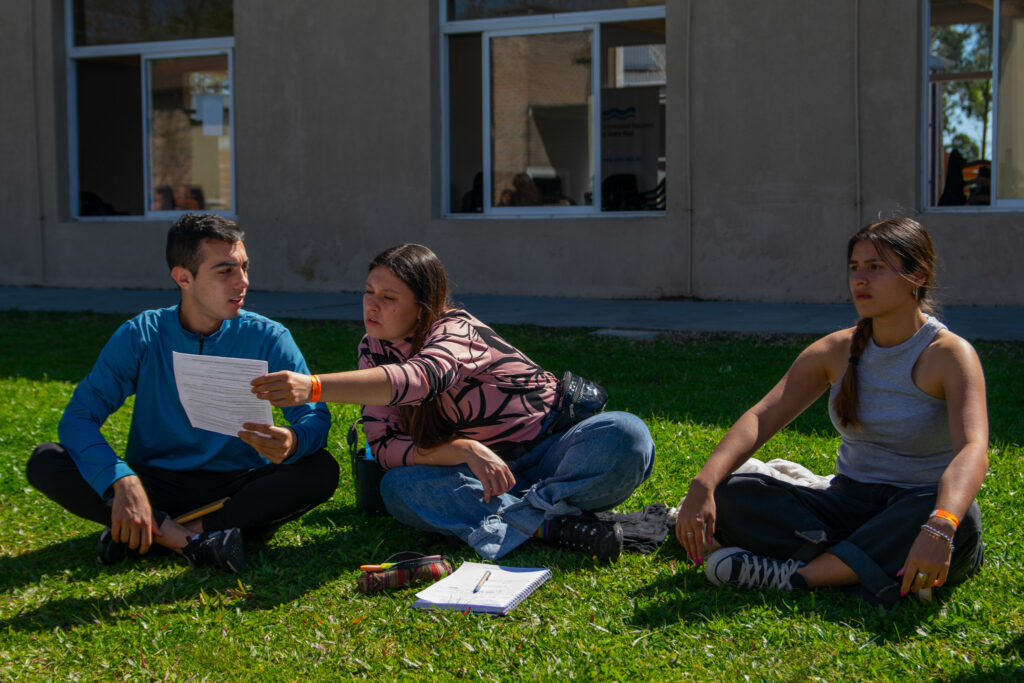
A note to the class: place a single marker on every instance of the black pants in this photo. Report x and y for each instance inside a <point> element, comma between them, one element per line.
<point>870,527</point>
<point>261,499</point>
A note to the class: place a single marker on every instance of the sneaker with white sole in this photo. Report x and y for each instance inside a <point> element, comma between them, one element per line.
<point>739,567</point>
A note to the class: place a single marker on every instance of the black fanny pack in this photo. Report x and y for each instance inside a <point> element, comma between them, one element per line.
<point>581,398</point>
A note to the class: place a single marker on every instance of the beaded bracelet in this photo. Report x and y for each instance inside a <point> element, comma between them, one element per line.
<point>317,388</point>
<point>947,515</point>
<point>936,532</point>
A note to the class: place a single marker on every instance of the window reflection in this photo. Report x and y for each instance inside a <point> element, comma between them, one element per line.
<point>459,10</point>
<point>540,119</point>
<point>960,105</point>
<point>542,131</point>
<point>465,113</point>
<point>1010,152</point>
<point>633,117</point>
<point>190,165</point>
<point>105,22</point>
<point>965,142</point>
<point>110,159</point>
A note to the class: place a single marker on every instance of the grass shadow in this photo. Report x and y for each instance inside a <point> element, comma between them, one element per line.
<point>691,598</point>
<point>687,597</point>
<point>277,572</point>
<point>273,576</point>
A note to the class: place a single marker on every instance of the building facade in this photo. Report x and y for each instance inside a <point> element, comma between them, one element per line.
<point>716,149</point>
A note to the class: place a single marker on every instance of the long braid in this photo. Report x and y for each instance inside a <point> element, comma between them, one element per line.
<point>845,403</point>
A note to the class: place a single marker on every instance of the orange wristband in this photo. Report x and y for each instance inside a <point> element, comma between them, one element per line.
<point>945,514</point>
<point>314,394</point>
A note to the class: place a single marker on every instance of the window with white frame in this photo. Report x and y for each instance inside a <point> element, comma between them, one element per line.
<point>150,93</point>
<point>975,104</point>
<point>553,107</point>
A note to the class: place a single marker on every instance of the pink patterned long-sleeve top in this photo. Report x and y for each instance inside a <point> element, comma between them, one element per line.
<point>489,390</point>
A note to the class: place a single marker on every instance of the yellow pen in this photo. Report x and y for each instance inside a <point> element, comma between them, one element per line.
<point>487,575</point>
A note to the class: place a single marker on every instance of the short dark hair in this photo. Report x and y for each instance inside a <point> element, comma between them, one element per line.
<point>189,231</point>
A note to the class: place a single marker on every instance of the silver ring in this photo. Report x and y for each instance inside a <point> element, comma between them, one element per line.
<point>689,533</point>
<point>922,576</point>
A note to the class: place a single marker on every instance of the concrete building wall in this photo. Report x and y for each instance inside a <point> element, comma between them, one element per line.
<point>774,155</point>
<point>334,130</point>
<point>803,124</point>
<point>21,255</point>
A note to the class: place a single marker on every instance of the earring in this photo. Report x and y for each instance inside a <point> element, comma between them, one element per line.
<point>914,293</point>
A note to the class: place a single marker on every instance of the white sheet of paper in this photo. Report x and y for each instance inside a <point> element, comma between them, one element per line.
<point>216,394</point>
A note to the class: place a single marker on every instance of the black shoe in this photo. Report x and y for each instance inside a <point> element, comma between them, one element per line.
<point>109,551</point>
<point>221,548</point>
<point>586,534</point>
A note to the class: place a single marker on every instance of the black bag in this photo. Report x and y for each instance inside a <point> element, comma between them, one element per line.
<point>366,475</point>
<point>581,398</point>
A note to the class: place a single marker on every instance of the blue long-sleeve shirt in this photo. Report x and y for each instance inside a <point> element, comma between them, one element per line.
<point>137,360</point>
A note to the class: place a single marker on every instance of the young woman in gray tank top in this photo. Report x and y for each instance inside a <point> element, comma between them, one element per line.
<point>908,398</point>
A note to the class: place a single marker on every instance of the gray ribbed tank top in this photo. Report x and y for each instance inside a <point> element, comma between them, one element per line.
<point>904,435</point>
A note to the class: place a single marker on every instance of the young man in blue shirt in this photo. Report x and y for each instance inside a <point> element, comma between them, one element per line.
<point>270,475</point>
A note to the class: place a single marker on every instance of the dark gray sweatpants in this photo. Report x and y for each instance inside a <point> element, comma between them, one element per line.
<point>261,499</point>
<point>870,527</point>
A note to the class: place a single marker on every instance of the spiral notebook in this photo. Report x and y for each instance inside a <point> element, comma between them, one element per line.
<point>503,589</point>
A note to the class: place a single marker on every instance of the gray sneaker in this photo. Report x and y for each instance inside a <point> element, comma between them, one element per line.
<point>221,548</point>
<point>739,567</point>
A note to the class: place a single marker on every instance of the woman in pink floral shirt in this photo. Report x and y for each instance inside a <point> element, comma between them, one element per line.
<point>461,419</point>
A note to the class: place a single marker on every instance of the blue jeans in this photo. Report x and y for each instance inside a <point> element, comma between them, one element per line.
<point>594,465</point>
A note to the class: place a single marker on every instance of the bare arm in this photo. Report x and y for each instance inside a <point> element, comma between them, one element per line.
<point>803,383</point>
<point>962,383</point>
<point>368,387</point>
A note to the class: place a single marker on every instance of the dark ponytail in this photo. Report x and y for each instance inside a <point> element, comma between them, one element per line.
<point>906,247</point>
<point>420,269</point>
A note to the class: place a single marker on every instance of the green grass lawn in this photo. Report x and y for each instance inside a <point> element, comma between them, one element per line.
<point>295,613</point>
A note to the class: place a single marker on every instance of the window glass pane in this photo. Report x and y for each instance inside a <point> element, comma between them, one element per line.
<point>490,9</point>
<point>190,147</point>
<point>102,22</point>
<point>109,92</point>
<point>465,119</point>
<point>540,120</point>
<point>633,116</point>
<point>960,105</point>
<point>1010,152</point>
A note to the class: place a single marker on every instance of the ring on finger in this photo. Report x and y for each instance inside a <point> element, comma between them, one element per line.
<point>922,576</point>
<point>689,533</point>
